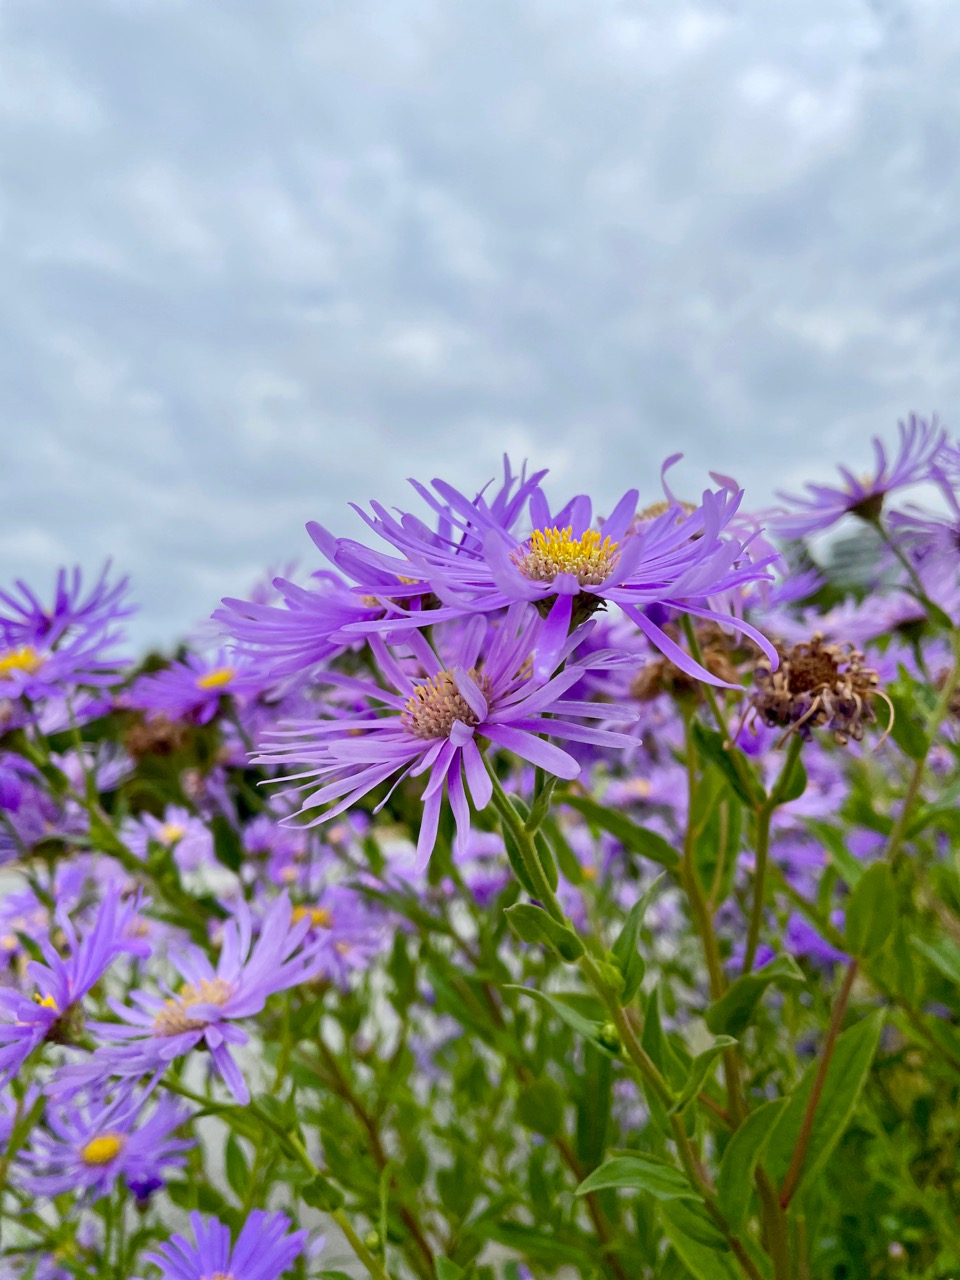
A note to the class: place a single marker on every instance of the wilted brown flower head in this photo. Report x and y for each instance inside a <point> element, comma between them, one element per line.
<point>818,684</point>
<point>155,736</point>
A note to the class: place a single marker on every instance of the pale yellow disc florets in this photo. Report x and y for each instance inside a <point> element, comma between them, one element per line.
<point>175,1016</point>
<point>102,1149</point>
<point>434,706</point>
<point>24,658</point>
<point>320,917</point>
<point>219,678</point>
<point>550,552</point>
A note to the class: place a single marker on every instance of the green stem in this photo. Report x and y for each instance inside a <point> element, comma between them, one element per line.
<point>764,815</point>
<point>526,846</point>
<point>641,1060</point>
<point>759,885</point>
<point>291,1142</point>
<point>795,1170</point>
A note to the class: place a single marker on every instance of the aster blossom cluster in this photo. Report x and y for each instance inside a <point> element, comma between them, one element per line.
<point>519,889</point>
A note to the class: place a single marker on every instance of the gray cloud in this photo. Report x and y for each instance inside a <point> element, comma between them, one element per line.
<point>258,260</point>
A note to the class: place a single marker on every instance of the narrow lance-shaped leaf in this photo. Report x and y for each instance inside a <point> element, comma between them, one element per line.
<point>846,1076</point>
<point>699,1071</point>
<point>744,1150</point>
<point>532,924</point>
<point>638,839</point>
<point>640,1173</point>
<point>626,948</point>
<point>592,1031</point>
<point>732,1013</point>
<point>871,914</point>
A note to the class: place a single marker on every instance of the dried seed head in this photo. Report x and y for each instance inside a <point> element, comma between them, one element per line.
<point>818,684</point>
<point>157,736</point>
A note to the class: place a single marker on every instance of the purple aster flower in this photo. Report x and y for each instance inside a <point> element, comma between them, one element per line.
<point>15,775</point>
<point>308,627</point>
<point>206,1007</point>
<point>27,619</point>
<point>51,649</point>
<point>265,1249</point>
<point>63,981</point>
<point>432,723</point>
<point>672,556</point>
<point>932,542</point>
<point>920,444</point>
<point>86,1149</point>
<point>180,831</point>
<point>192,689</point>
<point>347,929</point>
<point>320,620</point>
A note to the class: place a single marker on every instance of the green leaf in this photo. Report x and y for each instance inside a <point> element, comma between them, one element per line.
<point>640,1173</point>
<point>447,1270</point>
<point>563,851</point>
<point>320,1193</point>
<point>226,843</point>
<point>592,1031</point>
<point>744,1150</point>
<point>744,781</point>
<point>544,852</point>
<point>908,730</point>
<point>655,1042</point>
<point>732,1013</point>
<point>871,913</point>
<point>946,816</point>
<point>540,1107</point>
<point>594,1100</point>
<point>533,924</point>
<point>846,1076</point>
<point>943,954</point>
<point>238,1174</point>
<point>516,862</point>
<point>638,839</point>
<point>792,784</point>
<point>849,867</point>
<point>699,1243</point>
<point>535,1244</point>
<point>699,1070</point>
<point>626,948</point>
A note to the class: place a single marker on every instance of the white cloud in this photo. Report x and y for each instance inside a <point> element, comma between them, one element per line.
<point>262,260</point>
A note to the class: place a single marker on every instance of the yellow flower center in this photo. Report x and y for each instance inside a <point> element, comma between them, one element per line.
<point>550,552</point>
<point>46,1002</point>
<point>104,1148</point>
<point>175,1017</point>
<point>320,917</point>
<point>219,1275</point>
<point>25,658</point>
<point>171,832</point>
<point>219,678</point>
<point>588,872</point>
<point>434,706</point>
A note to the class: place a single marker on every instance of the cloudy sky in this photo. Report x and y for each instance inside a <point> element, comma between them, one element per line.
<point>260,259</point>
